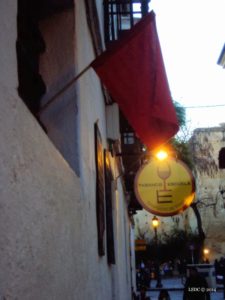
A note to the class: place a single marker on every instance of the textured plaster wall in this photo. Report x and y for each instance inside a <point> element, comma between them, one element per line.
<point>48,240</point>
<point>208,191</point>
<point>40,205</point>
<point>102,280</point>
<point>8,33</point>
<point>123,276</point>
<point>40,212</point>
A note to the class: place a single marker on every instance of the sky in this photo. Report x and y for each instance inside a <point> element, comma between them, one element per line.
<point>192,35</point>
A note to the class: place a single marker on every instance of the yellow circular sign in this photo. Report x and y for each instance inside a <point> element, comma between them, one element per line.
<point>164,188</point>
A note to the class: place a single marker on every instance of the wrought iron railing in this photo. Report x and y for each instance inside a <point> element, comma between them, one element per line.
<point>121,15</point>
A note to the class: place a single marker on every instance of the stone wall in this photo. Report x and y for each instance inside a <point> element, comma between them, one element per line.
<point>206,145</point>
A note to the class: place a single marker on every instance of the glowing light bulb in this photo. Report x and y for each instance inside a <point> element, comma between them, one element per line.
<point>161,155</point>
<point>206,251</point>
<point>155,222</point>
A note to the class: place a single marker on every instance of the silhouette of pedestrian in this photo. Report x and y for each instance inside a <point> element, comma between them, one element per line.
<point>164,295</point>
<point>222,269</point>
<point>143,295</point>
<point>196,287</point>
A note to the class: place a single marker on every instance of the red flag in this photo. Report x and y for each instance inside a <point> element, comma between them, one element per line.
<point>133,71</point>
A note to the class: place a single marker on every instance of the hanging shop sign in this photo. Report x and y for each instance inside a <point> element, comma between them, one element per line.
<point>140,245</point>
<point>164,188</point>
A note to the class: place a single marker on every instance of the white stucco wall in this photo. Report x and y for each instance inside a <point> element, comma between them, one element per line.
<point>8,61</point>
<point>92,109</point>
<point>40,202</point>
<point>48,239</point>
<point>40,211</point>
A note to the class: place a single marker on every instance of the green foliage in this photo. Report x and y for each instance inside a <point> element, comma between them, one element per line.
<point>181,113</point>
<point>180,145</point>
<point>182,150</point>
<point>176,245</point>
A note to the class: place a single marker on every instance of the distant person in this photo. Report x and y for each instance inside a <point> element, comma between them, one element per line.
<point>164,295</point>
<point>216,265</point>
<point>171,267</point>
<point>144,279</point>
<point>222,270</point>
<point>183,267</point>
<point>142,265</point>
<point>196,287</point>
<point>206,261</point>
<point>134,296</point>
<point>166,269</point>
<point>179,266</point>
<point>143,295</point>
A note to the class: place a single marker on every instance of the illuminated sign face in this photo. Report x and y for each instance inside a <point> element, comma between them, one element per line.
<point>164,188</point>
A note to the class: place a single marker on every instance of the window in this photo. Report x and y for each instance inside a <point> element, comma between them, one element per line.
<point>46,64</point>
<point>121,15</point>
<point>29,46</point>
<point>128,138</point>
<point>222,158</point>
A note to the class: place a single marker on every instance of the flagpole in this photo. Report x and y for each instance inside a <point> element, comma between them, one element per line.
<point>46,105</point>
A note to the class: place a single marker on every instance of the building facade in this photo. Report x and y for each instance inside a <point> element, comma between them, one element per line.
<point>65,228</point>
<point>208,149</point>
